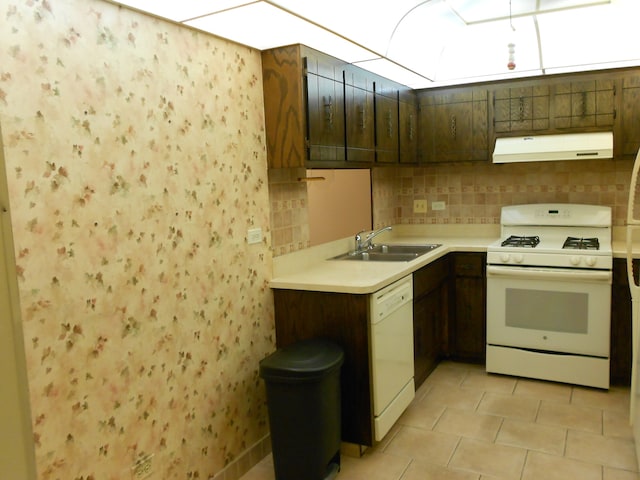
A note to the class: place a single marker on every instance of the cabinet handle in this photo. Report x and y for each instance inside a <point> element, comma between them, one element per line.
<point>453,127</point>
<point>410,120</point>
<point>363,118</point>
<point>328,110</point>
<point>521,108</point>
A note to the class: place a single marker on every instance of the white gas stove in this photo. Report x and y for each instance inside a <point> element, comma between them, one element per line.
<point>554,235</point>
<point>549,293</point>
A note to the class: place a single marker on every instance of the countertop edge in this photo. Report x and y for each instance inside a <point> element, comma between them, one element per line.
<point>336,276</point>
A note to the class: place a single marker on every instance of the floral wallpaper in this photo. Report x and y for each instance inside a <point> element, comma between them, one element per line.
<point>135,160</point>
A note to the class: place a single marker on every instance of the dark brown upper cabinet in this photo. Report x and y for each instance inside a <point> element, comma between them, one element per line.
<point>629,124</point>
<point>521,109</point>
<point>408,127</point>
<point>584,104</point>
<point>359,114</point>
<point>453,125</point>
<point>304,108</point>
<point>387,121</point>
<point>321,112</point>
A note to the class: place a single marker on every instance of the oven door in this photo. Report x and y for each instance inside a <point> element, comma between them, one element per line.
<point>549,309</point>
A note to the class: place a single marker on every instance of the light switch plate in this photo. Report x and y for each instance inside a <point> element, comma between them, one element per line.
<point>254,235</point>
<point>437,205</point>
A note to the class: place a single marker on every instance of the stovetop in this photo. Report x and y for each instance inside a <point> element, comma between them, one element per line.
<point>554,235</point>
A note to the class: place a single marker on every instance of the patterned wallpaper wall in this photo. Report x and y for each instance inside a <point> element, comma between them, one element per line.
<point>136,163</point>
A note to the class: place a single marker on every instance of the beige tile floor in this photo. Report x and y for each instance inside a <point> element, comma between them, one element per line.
<point>465,424</point>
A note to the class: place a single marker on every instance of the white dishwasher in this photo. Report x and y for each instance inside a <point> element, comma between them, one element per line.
<point>391,313</point>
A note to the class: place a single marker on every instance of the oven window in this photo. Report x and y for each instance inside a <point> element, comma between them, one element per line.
<point>547,310</point>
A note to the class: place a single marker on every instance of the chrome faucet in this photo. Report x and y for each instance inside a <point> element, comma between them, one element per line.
<point>366,243</point>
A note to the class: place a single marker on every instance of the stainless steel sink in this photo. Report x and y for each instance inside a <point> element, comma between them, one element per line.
<point>389,253</point>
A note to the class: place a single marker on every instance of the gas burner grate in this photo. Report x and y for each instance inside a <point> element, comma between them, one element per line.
<point>575,243</point>
<point>521,241</point>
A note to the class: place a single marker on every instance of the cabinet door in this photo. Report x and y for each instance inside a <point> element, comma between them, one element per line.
<point>430,316</point>
<point>630,121</point>
<point>408,129</point>
<point>360,126</point>
<point>386,111</point>
<point>584,104</point>
<point>521,109</point>
<point>325,115</point>
<point>284,107</point>
<point>621,347</point>
<point>344,319</point>
<point>454,126</point>
<point>469,314</point>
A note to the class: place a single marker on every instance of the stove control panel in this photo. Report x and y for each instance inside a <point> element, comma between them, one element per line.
<point>553,213</point>
<point>551,260</point>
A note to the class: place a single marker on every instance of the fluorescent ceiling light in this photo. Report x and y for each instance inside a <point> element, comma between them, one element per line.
<point>425,43</point>
<point>388,69</point>
<point>181,10</point>
<point>263,26</point>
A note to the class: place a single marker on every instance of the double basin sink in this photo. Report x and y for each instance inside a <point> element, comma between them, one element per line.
<point>389,253</point>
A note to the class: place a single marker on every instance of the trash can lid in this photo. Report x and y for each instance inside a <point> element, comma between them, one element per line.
<point>306,359</point>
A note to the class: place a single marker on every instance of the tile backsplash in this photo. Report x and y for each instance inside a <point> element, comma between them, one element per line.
<point>473,193</point>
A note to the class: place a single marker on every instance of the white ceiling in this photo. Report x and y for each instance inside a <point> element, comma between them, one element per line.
<point>426,43</point>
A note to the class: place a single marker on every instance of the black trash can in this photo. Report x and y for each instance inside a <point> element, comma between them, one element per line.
<point>303,398</point>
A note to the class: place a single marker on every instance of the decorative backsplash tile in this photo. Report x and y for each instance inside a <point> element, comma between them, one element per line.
<point>474,192</point>
<point>136,163</point>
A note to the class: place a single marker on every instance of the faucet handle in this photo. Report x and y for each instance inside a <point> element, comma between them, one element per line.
<point>358,240</point>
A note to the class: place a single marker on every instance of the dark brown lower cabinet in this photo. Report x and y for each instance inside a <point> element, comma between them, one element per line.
<point>344,319</point>
<point>430,316</point>
<point>468,332</point>
<point>620,355</point>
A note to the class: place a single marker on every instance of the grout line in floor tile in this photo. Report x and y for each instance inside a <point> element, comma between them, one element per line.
<point>405,469</point>
<point>495,437</point>
<point>454,451</point>
<point>524,464</point>
<point>602,422</point>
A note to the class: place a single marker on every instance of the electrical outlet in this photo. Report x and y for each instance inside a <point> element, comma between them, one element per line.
<point>419,206</point>
<point>437,205</point>
<point>142,468</point>
<point>254,235</point>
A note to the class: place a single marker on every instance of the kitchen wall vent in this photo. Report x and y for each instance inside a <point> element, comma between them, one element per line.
<point>542,148</point>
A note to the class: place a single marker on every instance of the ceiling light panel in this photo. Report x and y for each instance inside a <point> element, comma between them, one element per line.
<point>596,41</point>
<point>388,69</point>
<point>263,26</point>
<point>473,11</point>
<point>367,22</point>
<point>183,9</point>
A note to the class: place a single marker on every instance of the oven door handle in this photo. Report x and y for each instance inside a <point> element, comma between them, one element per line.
<point>550,273</point>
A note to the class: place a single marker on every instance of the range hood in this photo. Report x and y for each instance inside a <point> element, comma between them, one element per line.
<point>542,148</point>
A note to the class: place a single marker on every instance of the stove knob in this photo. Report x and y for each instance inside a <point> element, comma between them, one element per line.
<point>575,260</point>
<point>519,258</point>
<point>591,261</point>
<point>504,257</point>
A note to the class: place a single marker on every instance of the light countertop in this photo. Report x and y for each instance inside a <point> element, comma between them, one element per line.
<point>312,269</point>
